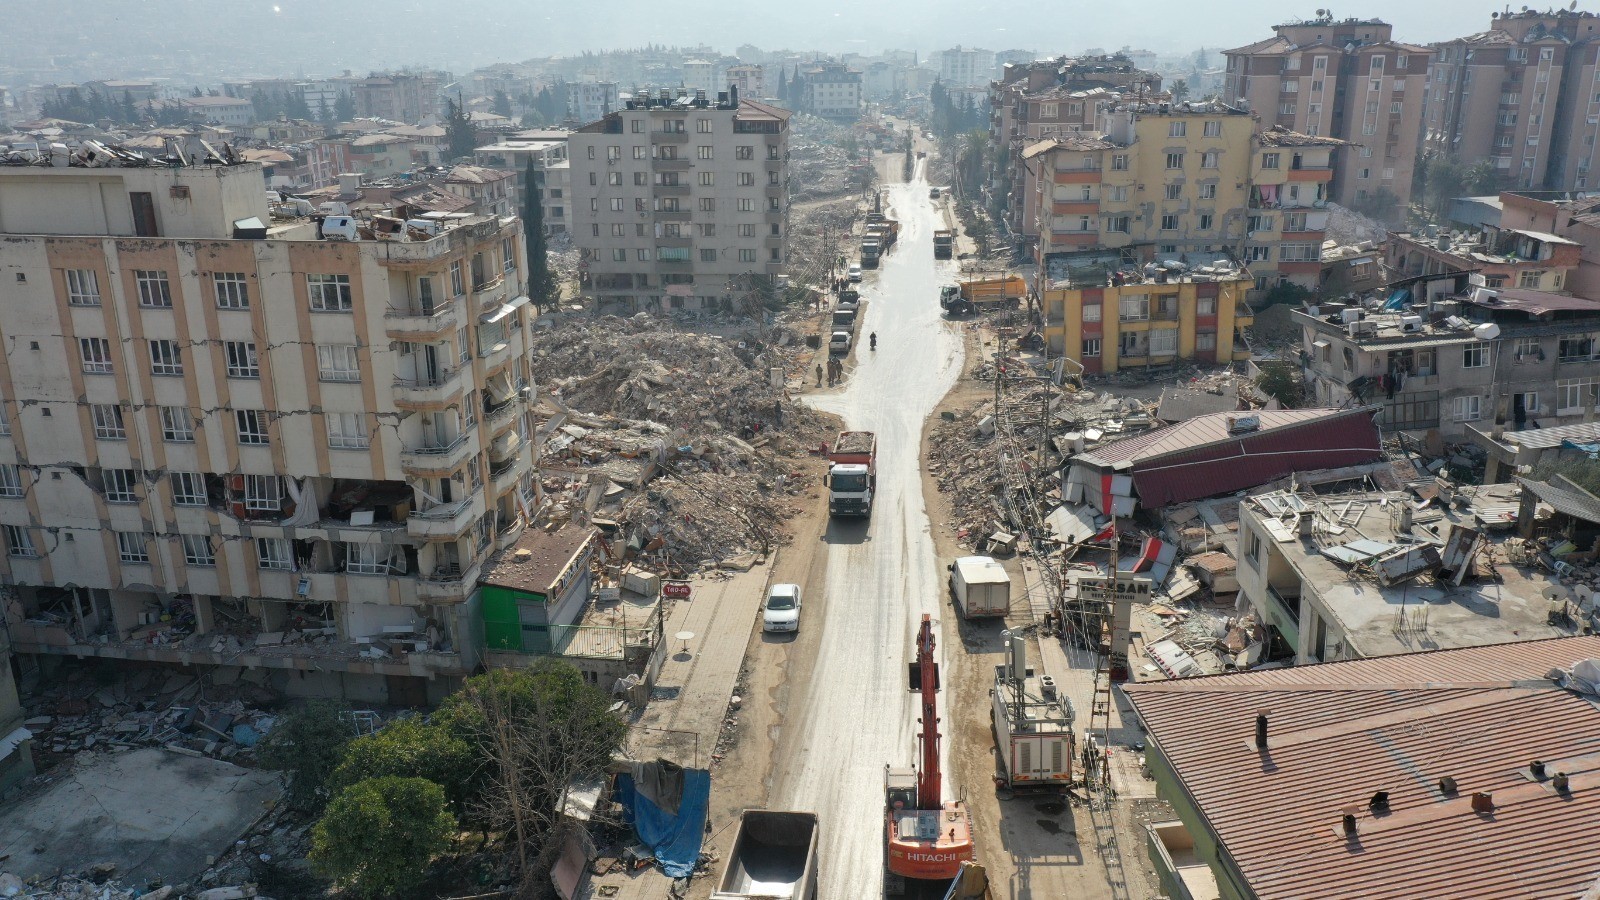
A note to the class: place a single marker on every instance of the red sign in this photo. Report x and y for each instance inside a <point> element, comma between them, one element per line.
<point>677,589</point>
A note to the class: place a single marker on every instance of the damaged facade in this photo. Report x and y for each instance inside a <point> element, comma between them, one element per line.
<point>231,442</point>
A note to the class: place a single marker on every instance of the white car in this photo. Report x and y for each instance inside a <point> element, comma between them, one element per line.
<point>781,612</point>
<point>839,344</point>
<point>855,273</point>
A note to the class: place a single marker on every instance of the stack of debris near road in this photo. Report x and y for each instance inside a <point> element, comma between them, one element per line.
<point>684,447</point>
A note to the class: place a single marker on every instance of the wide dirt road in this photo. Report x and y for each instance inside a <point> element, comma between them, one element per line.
<point>853,713</point>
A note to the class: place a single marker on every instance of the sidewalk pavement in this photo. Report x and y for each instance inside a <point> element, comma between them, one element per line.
<point>684,717</point>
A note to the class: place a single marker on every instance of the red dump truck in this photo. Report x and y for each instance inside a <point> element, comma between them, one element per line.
<point>852,473</point>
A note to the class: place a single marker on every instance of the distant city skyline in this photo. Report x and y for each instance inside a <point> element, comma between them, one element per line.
<point>278,37</point>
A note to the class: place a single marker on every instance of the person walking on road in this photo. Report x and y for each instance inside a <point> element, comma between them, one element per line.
<point>819,375</point>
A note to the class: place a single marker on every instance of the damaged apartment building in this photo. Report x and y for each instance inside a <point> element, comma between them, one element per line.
<point>235,434</point>
<point>680,202</point>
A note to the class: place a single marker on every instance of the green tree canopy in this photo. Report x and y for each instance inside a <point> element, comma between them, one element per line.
<point>409,748</point>
<point>379,836</point>
<point>307,744</point>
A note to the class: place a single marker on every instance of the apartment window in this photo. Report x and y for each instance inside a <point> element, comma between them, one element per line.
<point>1291,87</point>
<point>708,255</point>
<point>121,485</point>
<point>1118,224</point>
<point>1091,347</point>
<point>614,179</point>
<point>1576,395</point>
<point>744,152</point>
<point>251,426</point>
<point>747,179</point>
<point>1169,222</point>
<point>367,559</point>
<point>1213,129</point>
<point>703,152</point>
<point>1163,341</point>
<point>10,480</point>
<point>1210,159</point>
<point>747,256</point>
<point>273,553</point>
<point>638,126</point>
<point>197,550</point>
<point>1475,355</point>
<point>707,179</point>
<point>165,358</point>
<point>747,204</point>
<point>19,542</point>
<point>1117,193</point>
<point>241,357</point>
<point>5,420</point>
<point>263,493</point>
<point>108,422</point>
<point>1530,278</point>
<point>1119,162</point>
<point>83,287</point>
<point>1269,160</point>
<point>131,547</point>
<point>613,152</point>
<point>331,293</point>
<point>1174,160</point>
<point>1526,347</point>
<point>591,154</point>
<point>1366,173</point>
<point>1174,192</point>
<point>1466,409</point>
<point>233,291</point>
<point>154,291</point>
<point>1206,221</point>
<point>95,354</point>
<point>188,489</point>
<point>618,204</point>
<point>1580,347</point>
<point>747,231</point>
<point>1177,129</point>
<point>1314,109</point>
<point>708,229</point>
<point>708,204</point>
<point>1254,553</point>
<point>1134,309</point>
<point>619,230</point>
<point>1208,192</point>
<point>1285,109</point>
<point>347,431</point>
<point>1205,340</point>
<point>644,252</point>
<point>1091,312</point>
<point>619,254</point>
<point>702,126</point>
<point>176,426</point>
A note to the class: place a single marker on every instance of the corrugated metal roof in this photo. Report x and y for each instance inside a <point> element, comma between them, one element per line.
<point>1340,732</point>
<point>1545,438</point>
<point>1565,497</point>
<point>1197,432</point>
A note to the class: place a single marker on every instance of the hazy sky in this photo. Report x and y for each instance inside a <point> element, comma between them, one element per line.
<point>323,36</point>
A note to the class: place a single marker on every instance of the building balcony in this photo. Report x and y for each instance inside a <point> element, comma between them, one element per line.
<point>675,240</point>
<point>670,165</point>
<point>778,216</point>
<point>670,137</point>
<point>503,416</point>
<point>774,165</point>
<point>446,519</point>
<point>672,215</point>
<point>491,291</point>
<point>449,582</point>
<point>428,392</point>
<point>777,190</point>
<point>435,460</point>
<point>670,190</point>
<point>503,476</point>
<point>402,325</point>
<point>505,447</point>
<point>1075,207</point>
<point>1076,176</point>
<point>1311,173</point>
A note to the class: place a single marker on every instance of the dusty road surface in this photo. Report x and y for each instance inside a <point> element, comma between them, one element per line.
<point>851,713</point>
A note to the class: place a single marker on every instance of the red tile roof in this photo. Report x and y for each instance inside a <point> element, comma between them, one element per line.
<point>1340,732</point>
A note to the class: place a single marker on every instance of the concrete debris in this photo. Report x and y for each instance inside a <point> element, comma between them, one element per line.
<point>93,885</point>
<point>683,446</point>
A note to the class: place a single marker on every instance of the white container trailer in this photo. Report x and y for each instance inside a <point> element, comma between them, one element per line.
<point>981,587</point>
<point>1032,724</point>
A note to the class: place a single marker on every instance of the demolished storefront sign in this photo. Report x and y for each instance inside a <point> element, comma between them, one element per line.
<point>1119,594</point>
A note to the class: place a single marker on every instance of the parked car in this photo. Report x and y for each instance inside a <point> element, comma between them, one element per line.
<point>855,272</point>
<point>933,193</point>
<point>781,612</point>
<point>839,343</point>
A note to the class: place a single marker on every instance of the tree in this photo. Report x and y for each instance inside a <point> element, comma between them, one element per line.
<point>1481,178</point>
<point>1381,204</point>
<point>409,748</point>
<point>1180,90</point>
<point>296,106</point>
<point>344,108</point>
<point>542,285</point>
<point>307,743</point>
<point>129,115</point>
<point>1279,380</point>
<point>378,836</point>
<point>538,728</point>
<point>502,104</point>
<point>458,130</point>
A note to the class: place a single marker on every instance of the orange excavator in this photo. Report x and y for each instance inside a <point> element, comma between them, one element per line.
<point>927,838</point>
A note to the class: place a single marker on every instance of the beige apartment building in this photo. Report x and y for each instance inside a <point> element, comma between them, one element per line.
<point>1163,181</point>
<point>1346,79</point>
<point>1522,95</point>
<point>228,441</point>
<point>681,202</point>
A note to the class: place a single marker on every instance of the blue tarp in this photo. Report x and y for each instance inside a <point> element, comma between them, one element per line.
<point>1398,299</point>
<point>674,839</point>
<point>1592,449</point>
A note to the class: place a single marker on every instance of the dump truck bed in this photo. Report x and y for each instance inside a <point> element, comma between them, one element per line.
<point>774,855</point>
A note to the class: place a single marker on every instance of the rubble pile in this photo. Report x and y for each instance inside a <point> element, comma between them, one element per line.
<point>684,445</point>
<point>961,458</point>
<point>819,165</point>
<point>94,885</point>
<point>150,708</point>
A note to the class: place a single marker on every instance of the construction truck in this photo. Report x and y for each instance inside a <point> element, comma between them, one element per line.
<point>870,251</point>
<point>885,229</point>
<point>975,294</point>
<point>774,855</point>
<point>980,586</point>
<point>852,473</point>
<point>926,838</point>
<point>1032,724</point>
<point>944,243</point>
